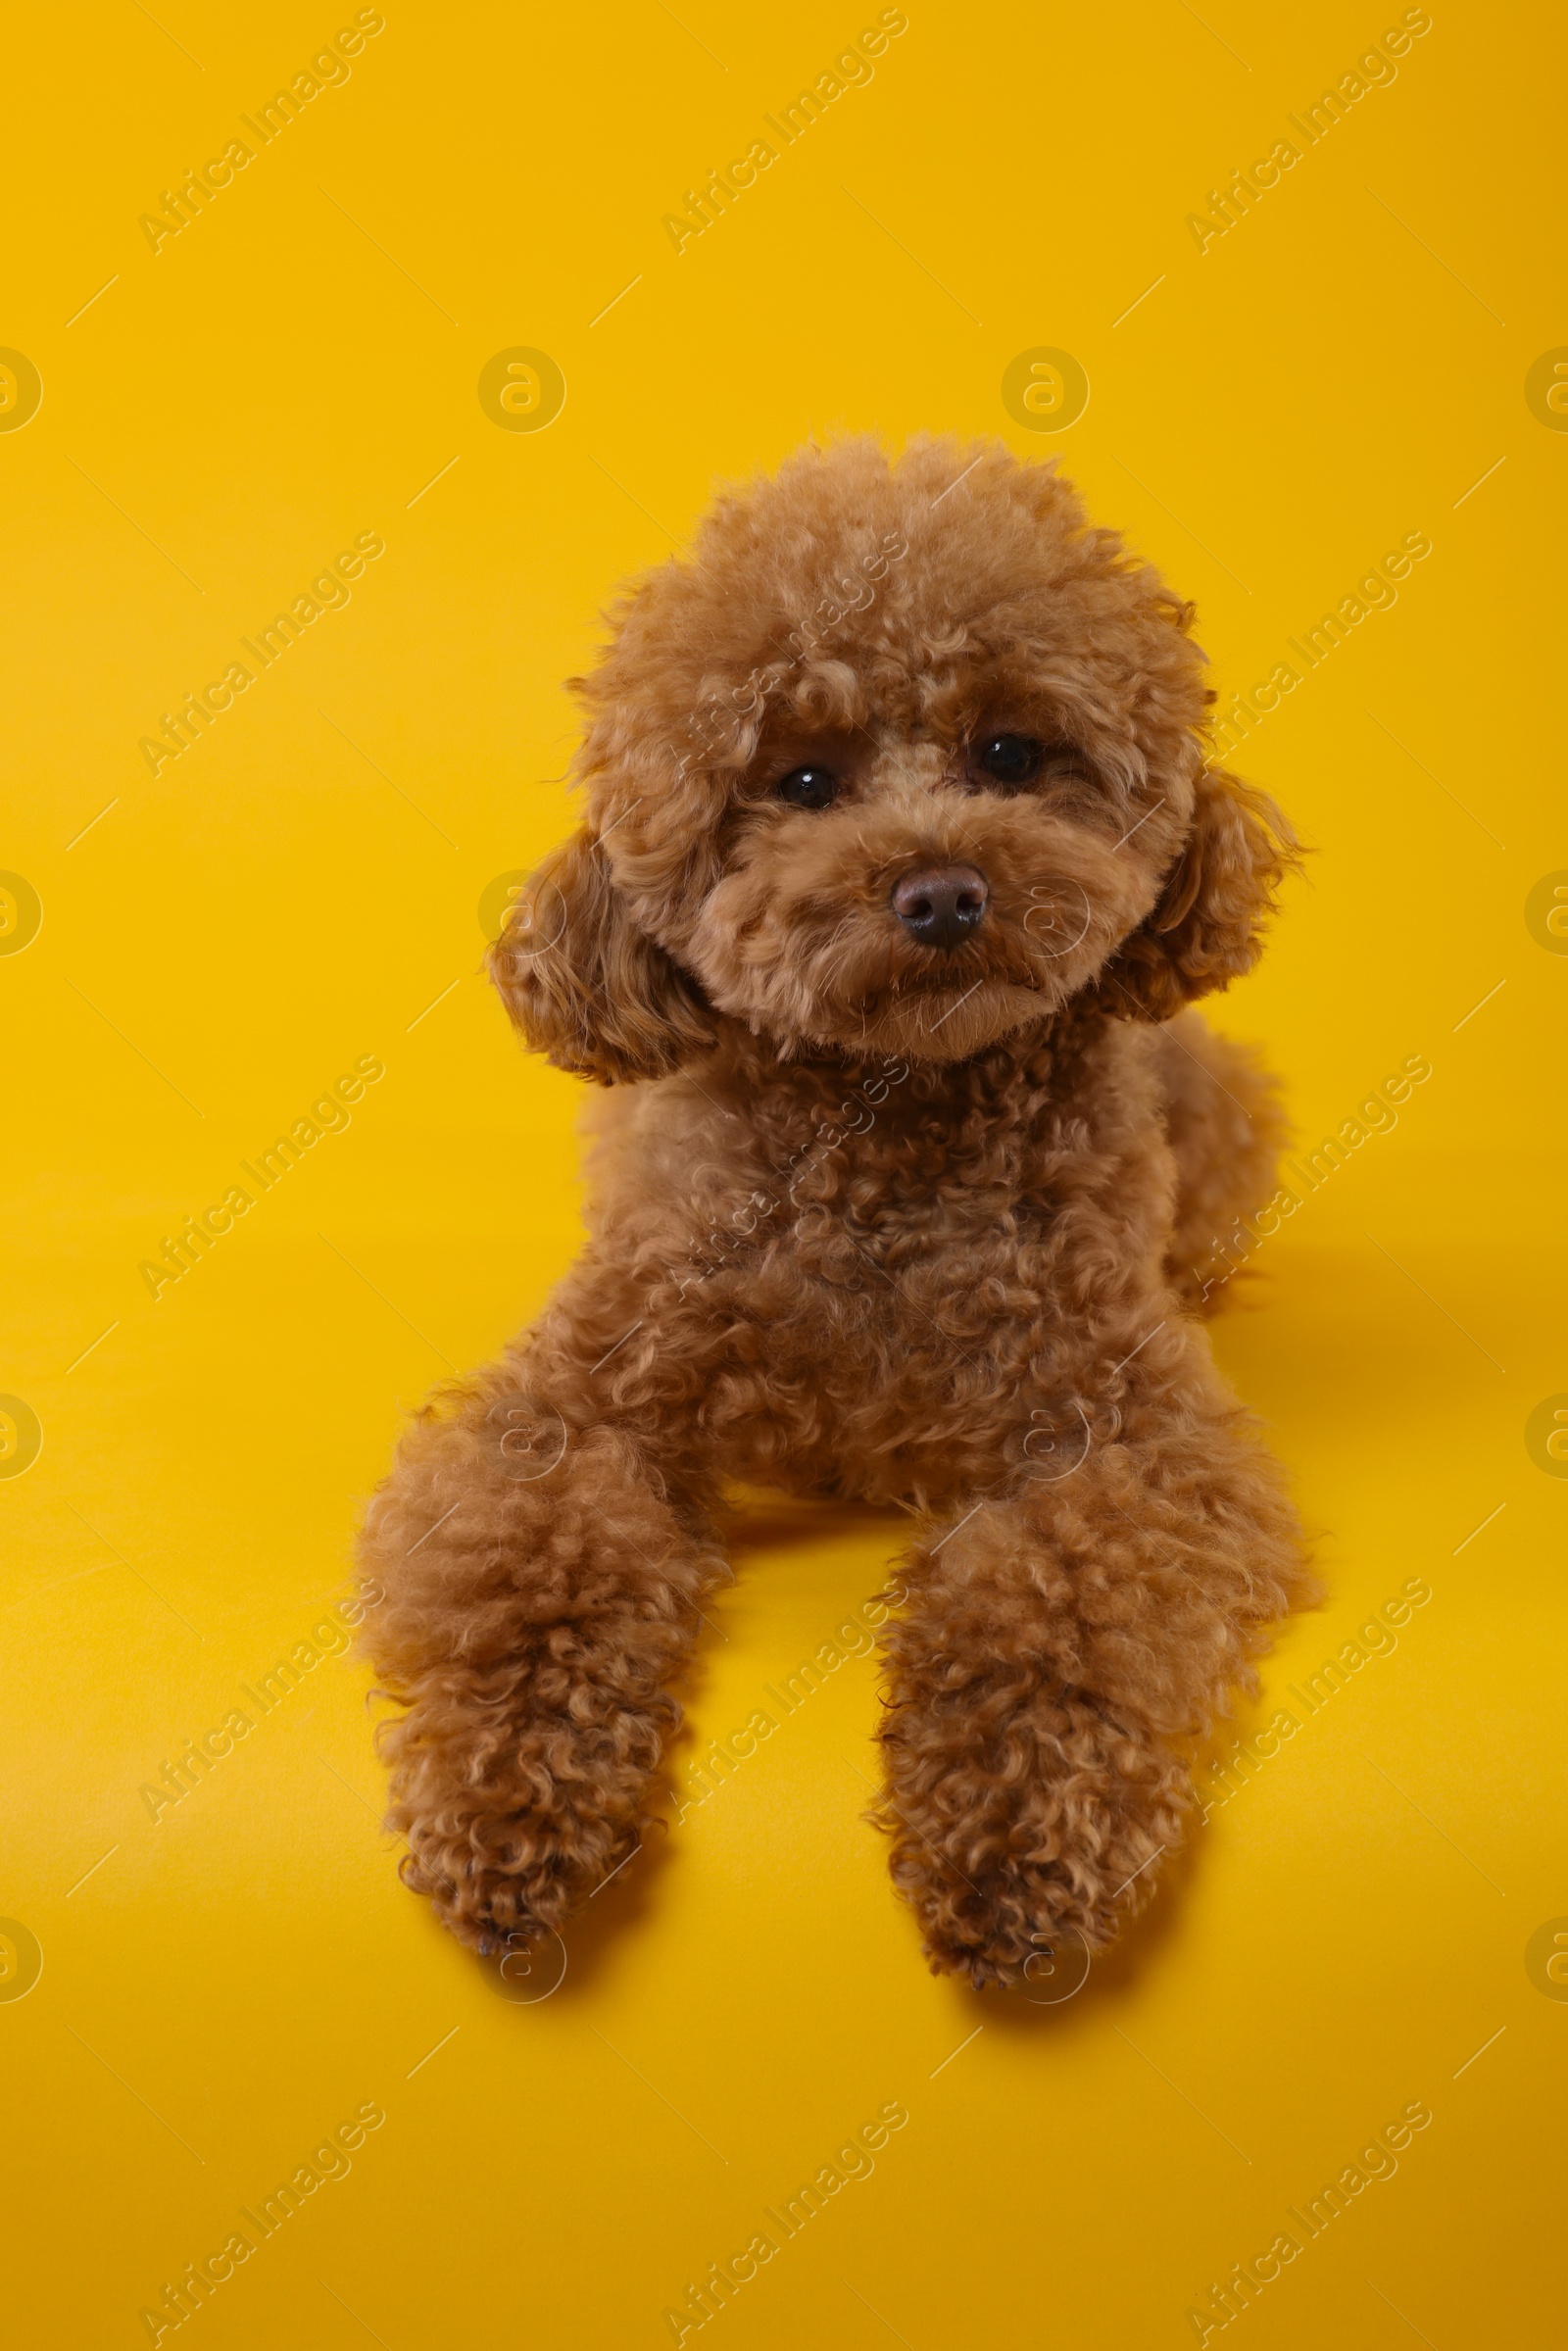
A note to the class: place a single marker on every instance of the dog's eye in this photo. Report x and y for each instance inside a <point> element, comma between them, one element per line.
<point>1012,760</point>
<point>808,787</point>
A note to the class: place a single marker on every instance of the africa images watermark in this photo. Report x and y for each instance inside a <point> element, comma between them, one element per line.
<point>1376,1115</point>
<point>197,714</point>
<point>195,1762</point>
<point>528,1440</point>
<point>854,1638</point>
<point>329,1115</point>
<point>1380,2159</point>
<point>850,69</point>
<point>864,1101</point>
<point>328,69</point>
<point>1377,1637</point>
<point>1374,69</point>
<point>723,2280</point>
<point>1374,593</point>
<point>201,2280</point>
<point>710,724</point>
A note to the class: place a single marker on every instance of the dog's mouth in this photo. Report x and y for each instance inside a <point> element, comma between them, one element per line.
<point>942,1005</point>
<point>938,955</point>
<point>943,1014</point>
<point>949,1016</point>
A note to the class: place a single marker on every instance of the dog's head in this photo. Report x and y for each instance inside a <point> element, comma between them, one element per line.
<point>905,758</point>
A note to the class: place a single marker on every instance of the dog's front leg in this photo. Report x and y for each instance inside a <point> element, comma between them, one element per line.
<point>542,1579</point>
<point>1061,1648</point>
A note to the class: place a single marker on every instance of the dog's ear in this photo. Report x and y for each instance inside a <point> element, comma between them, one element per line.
<point>1205,930</point>
<point>588,989</point>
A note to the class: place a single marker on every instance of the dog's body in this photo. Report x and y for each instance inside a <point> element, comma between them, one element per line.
<point>874,1288</point>
<point>897,1196</point>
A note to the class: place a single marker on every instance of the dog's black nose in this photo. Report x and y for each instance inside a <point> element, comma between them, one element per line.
<point>941,906</point>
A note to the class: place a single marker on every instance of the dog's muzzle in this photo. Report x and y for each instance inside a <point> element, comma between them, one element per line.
<point>941,906</point>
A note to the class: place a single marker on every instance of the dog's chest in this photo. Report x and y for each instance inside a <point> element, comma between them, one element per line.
<point>910,1209</point>
<point>892,1321</point>
<point>870,1296</point>
<point>894,1246</point>
<point>870,1239</point>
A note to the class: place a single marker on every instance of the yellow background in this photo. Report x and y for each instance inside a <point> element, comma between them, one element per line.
<point>296,890</point>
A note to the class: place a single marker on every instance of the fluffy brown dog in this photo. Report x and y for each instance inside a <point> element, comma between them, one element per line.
<point>901,849</point>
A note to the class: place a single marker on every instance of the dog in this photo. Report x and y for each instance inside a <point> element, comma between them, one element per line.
<point>902,860</point>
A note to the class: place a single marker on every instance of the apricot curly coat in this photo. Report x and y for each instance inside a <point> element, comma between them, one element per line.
<point>869,1219</point>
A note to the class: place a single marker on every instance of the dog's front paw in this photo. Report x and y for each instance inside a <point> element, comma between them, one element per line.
<point>497,1884</point>
<point>1016,1841</point>
<point>512,1824</point>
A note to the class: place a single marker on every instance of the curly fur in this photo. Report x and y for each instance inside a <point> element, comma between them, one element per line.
<point>867,1221</point>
